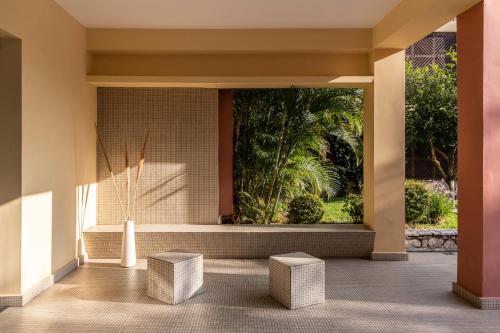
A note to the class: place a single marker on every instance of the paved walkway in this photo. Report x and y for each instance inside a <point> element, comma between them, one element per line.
<point>362,296</point>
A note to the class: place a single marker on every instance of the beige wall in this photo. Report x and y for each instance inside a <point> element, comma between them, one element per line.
<point>217,41</point>
<point>10,167</point>
<point>58,108</point>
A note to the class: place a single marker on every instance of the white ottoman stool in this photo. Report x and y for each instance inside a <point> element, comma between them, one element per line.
<point>297,279</point>
<point>173,277</point>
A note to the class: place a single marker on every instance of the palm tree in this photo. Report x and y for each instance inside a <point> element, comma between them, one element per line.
<point>280,145</point>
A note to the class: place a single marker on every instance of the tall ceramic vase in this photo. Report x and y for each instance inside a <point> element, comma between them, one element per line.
<point>128,258</point>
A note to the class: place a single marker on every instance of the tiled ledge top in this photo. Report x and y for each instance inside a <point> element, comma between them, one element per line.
<point>234,228</point>
<point>434,232</point>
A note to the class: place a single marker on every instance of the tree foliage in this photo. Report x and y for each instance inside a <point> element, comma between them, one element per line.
<point>431,113</point>
<point>281,146</point>
<point>416,200</point>
<point>353,205</point>
<point>306,209</point>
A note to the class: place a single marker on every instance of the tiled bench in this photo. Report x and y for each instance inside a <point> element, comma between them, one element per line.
<point>236,241</point>
<point>173,277</point>
<point>297,279</point>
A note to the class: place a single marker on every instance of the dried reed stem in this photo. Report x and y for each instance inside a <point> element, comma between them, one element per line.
<point>85,204</point>
<point>140,166</point>
<point>110,171</point>
<point>81,206</point>
<point>82,202</point>
<point>127,171</point>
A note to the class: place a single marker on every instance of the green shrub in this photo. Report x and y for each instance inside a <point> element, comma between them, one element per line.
<point>353,205</point>
<point>416,201</point>
<point>251,210</point>
<point>438,207</point>
<point>306,209</point>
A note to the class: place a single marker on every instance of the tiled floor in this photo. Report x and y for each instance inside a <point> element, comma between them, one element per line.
<point>361,296</point>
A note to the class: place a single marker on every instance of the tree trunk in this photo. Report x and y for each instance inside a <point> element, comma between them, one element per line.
<point>447,176</point>
<point>275,203</point>
<point>276,161</point>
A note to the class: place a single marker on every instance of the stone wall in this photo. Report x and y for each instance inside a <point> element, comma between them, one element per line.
<point>431,240</point>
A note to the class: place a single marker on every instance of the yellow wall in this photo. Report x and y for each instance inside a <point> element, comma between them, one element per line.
<point>58,108</point>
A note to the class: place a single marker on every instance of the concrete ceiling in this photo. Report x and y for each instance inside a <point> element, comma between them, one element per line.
<point>228,14</point>
<point>449,27</point>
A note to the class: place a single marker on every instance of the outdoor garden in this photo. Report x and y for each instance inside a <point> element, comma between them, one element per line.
<point>298,154</point>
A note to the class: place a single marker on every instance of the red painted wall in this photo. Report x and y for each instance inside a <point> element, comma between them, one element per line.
<point>225,152</point>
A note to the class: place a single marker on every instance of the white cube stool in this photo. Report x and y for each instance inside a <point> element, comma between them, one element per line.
<point>297,279</point>
<point>173,277</point>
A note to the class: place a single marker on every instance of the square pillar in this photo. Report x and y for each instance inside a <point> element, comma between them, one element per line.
<point>478,275</point>
<point>384,155</point>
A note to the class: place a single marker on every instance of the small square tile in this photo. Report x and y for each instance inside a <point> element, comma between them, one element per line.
<point>297,279</point>
<point>174,277</point>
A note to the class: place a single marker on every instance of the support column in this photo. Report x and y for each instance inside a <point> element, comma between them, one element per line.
<point>384,155</point>
<point>10,171</point>
<point>478,276</point>
<point>225,152</point>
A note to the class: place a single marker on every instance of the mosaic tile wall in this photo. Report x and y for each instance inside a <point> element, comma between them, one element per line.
<point>179,183</point>
<point>235,245</point>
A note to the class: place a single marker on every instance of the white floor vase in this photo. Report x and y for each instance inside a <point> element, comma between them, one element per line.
<point>128,257</point>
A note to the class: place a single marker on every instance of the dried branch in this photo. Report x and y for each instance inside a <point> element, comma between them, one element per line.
<point>86,190</point>
<point>82,198</point>
<point>140,166</point>
<point>127,171</point>
<point>110,171</point>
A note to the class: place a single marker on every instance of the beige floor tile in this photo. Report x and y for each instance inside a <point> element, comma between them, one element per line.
<point>361,296</point>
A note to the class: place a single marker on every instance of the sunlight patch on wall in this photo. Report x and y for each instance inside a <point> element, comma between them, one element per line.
<point>10,247</point>
<point>36,238</point>
<point>85,212</point>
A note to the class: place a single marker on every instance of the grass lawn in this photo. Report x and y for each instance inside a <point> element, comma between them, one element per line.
<point>448,222</point>
<point>334,213</point>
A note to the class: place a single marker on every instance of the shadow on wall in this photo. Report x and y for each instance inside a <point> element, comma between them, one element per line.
<point>10,124</point>
<point>10,167</point>
<point>165,189</point>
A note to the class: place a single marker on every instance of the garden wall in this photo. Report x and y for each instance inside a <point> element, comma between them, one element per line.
<point>431,240</point>
<point>179,184</point>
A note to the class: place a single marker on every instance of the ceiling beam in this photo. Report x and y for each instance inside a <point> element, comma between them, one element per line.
<point>297,64</point>
<point>229,41</point>
<point>233,82</point>
<point>412,20</point>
